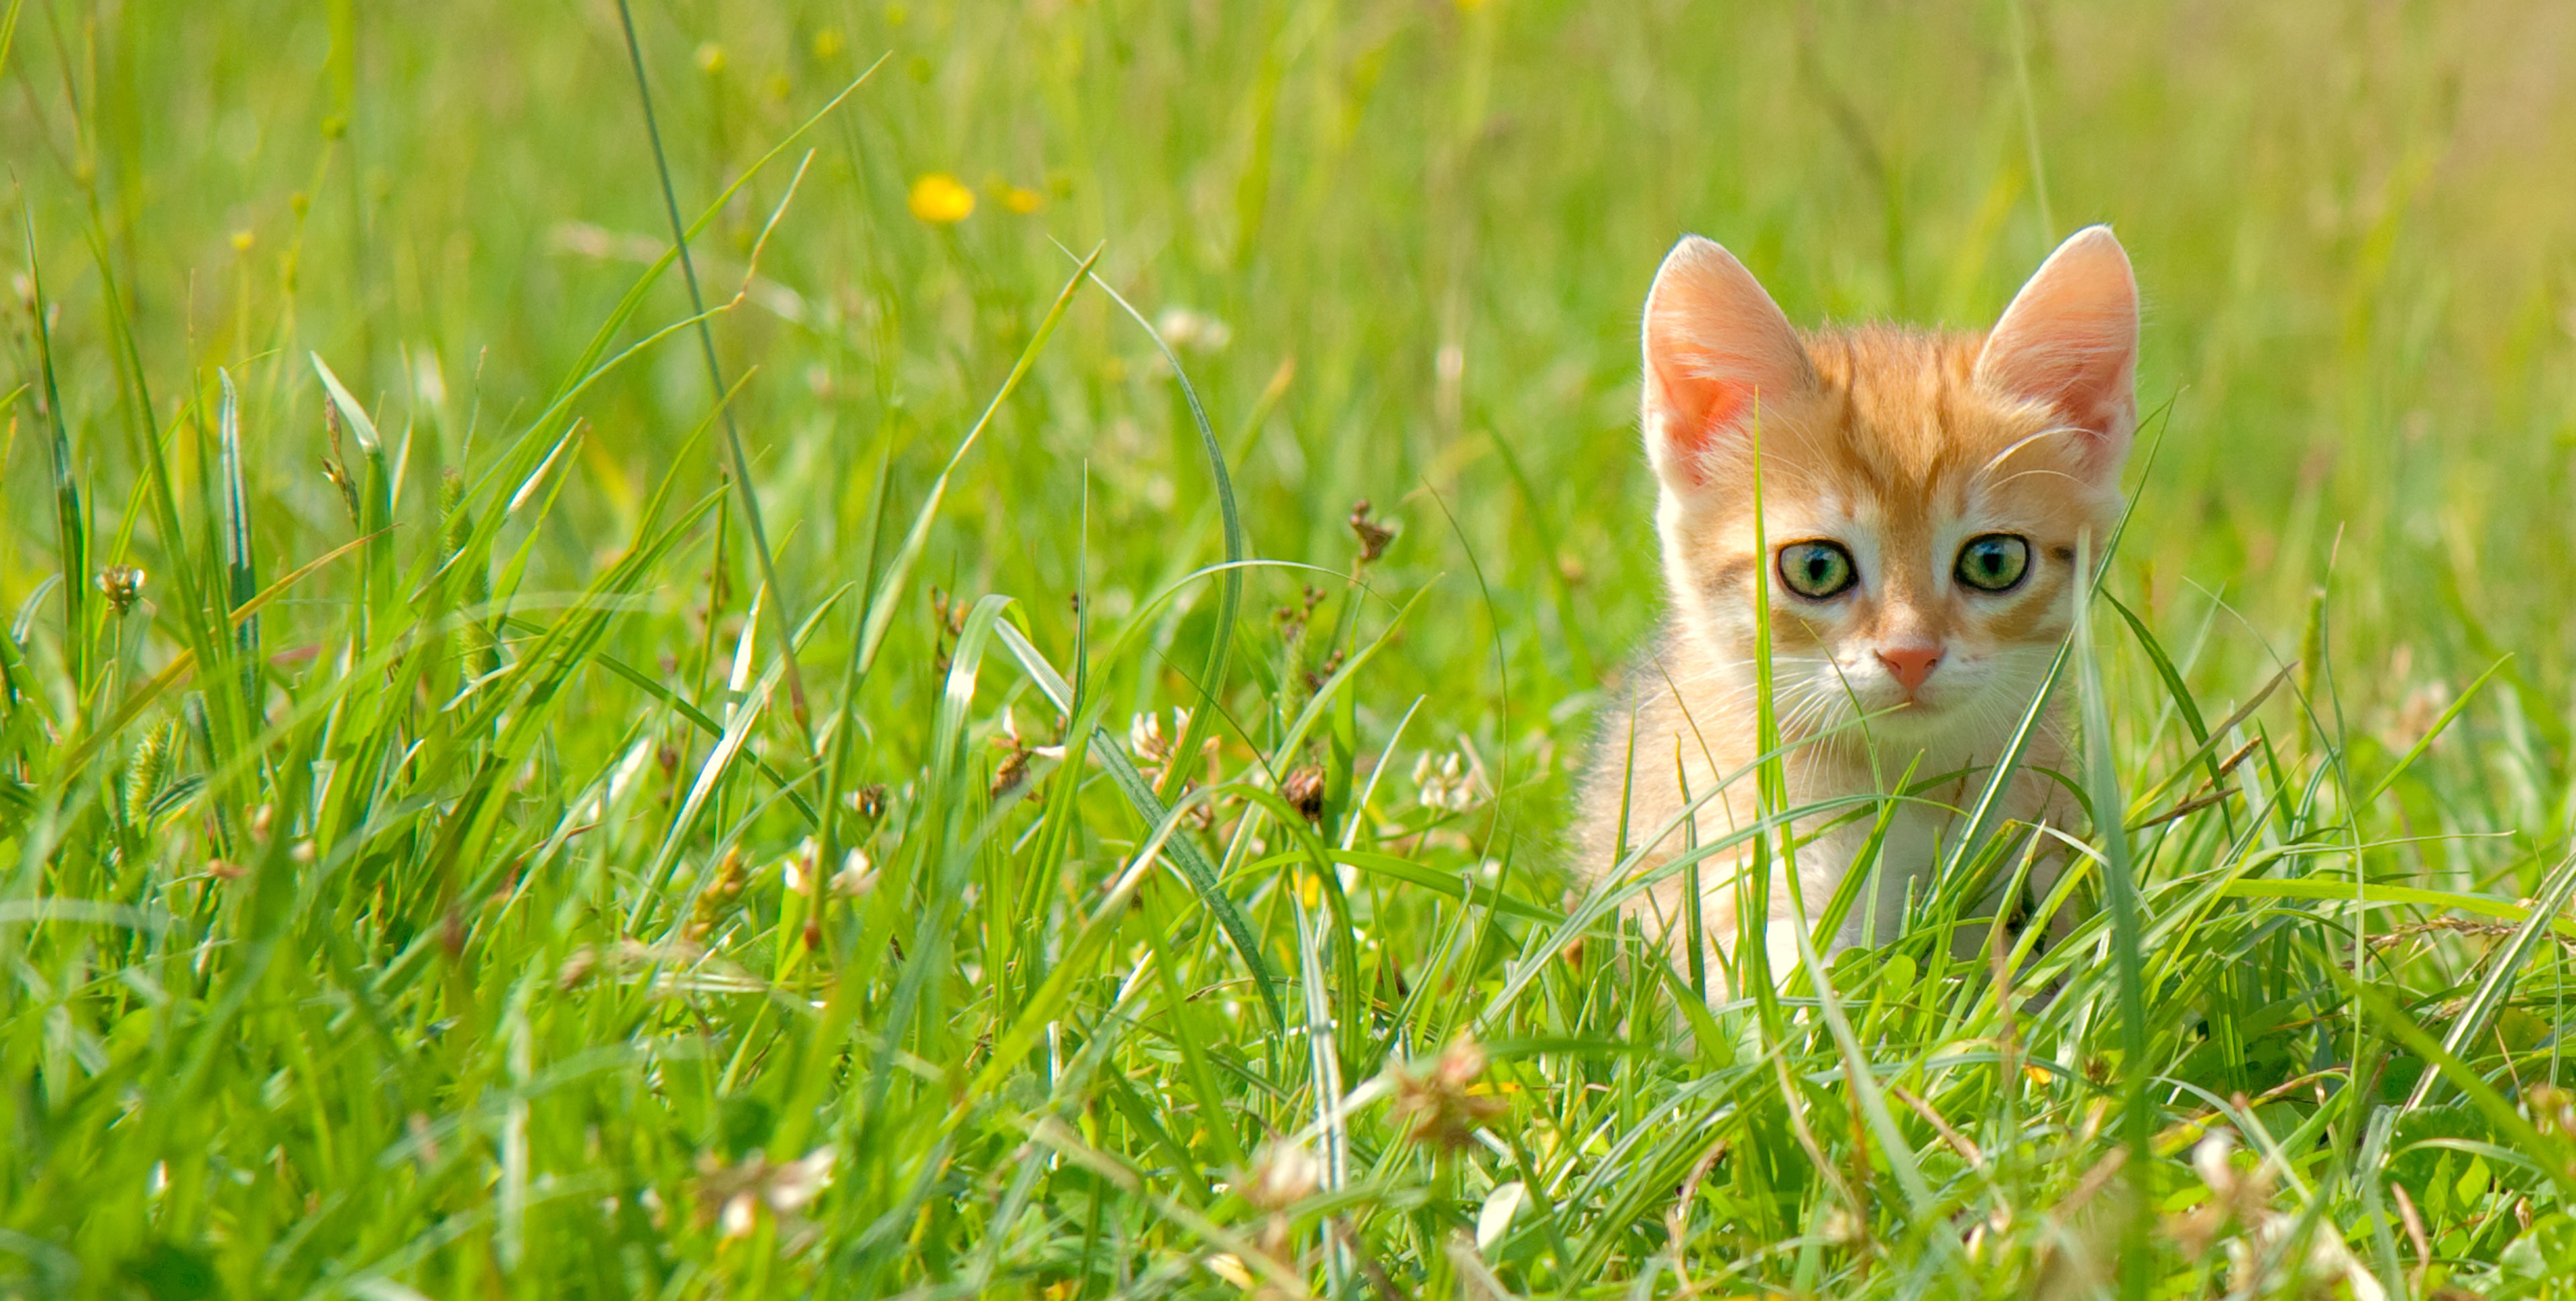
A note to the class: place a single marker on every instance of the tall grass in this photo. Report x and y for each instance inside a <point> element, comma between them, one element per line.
<point>420,882</point>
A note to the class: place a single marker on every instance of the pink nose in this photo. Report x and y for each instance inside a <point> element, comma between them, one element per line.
<point>1910,665</point>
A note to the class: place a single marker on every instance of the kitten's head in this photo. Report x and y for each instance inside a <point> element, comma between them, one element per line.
<point>1922,492</point>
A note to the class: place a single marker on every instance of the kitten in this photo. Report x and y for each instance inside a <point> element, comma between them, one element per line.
<point>1922,496</point>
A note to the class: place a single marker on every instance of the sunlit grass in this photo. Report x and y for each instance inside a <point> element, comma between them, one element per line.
<point>420,881</point>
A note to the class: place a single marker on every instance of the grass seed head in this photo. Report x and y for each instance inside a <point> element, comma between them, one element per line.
<point>123,586</point>
<point>459,522</point>
<point>868,802</point>
<point>1435,1108</point>
<point>1283,1174</point>
<point>1304,790</point>
<point>716,902</point>
<point>1373,535</point>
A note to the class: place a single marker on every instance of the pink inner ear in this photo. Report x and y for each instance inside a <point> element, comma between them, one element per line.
<point>2070,339</point>
<point>2090,380</point>
<point>1722,407</point>
<point>2099,397</point>
<point>1715,346</point>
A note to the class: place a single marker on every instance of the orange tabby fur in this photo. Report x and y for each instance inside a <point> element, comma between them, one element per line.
<point>1897,446</point>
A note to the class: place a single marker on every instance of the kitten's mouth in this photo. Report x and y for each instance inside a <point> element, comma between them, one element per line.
<point>1913,709</point>
<point>1888,704</point>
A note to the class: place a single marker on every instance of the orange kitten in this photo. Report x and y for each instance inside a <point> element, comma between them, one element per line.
<point>1922,497</point>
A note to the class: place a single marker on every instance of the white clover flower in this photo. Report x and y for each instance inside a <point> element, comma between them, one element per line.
<point>1447,785</point>
<point>1283,1173</point>
<point>857,876</point>
<point>1189,331</point>
<point>1145,734</point>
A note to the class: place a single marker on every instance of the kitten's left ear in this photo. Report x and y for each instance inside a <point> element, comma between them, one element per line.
<point>1717,352</point>
<point>2070,339</point>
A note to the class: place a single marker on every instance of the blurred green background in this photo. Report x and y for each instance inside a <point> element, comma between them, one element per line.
<point>2350,223</point>
<point>1399,248</point>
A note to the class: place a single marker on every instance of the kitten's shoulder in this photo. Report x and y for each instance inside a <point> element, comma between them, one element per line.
<point>1640,703</point>
<point>1643,688</point>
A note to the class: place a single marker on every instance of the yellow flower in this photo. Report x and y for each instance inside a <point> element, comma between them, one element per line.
<point>1022,201</point>
<point>938,199</point>
<point>711,58</point>
<point>828,43</point>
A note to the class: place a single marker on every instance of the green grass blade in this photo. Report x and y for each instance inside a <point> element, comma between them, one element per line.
<point>241,565</point>
<point>1230,588</point>
<point>888,596</point>
<point>2121,892</point>
<point>2504,967</point>
<point>779,597</point>
<point>71,523</point>
<point>1140,794</point>
<point>2425,742</point>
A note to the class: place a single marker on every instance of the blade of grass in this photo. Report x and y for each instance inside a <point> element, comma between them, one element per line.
<point>1752,883</point>
<point>2121,889</point>
<point>185,662</point>
<point>71,524</point>
<point>2442,1062</point>
<point>1230,589</point>
<point>2503,968</point>
<point>241,567</point>
<point>595,363</point>
<point>2425,742</point>
<point>1185,852</point>
<point>779,597</point>
<point>375,501</point>
<point>2380,892</point>
<point>889,590</point>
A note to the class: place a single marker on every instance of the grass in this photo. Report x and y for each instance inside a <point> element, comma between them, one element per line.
<point>420,881</point>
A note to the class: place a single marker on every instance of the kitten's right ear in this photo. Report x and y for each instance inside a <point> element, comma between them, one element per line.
<point>2070,340</point>
<point>1717,349</point>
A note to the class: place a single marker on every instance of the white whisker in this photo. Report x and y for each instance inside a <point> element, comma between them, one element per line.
<point>2020,443</point>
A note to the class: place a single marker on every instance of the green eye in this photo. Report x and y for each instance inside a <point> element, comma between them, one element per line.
<point>1816,570</point>
<point>1994,562</point>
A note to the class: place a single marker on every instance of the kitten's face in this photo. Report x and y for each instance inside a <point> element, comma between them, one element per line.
<point>1923,494</point>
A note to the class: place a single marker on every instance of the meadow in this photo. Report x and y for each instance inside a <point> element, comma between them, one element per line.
<point>1005,729</point>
